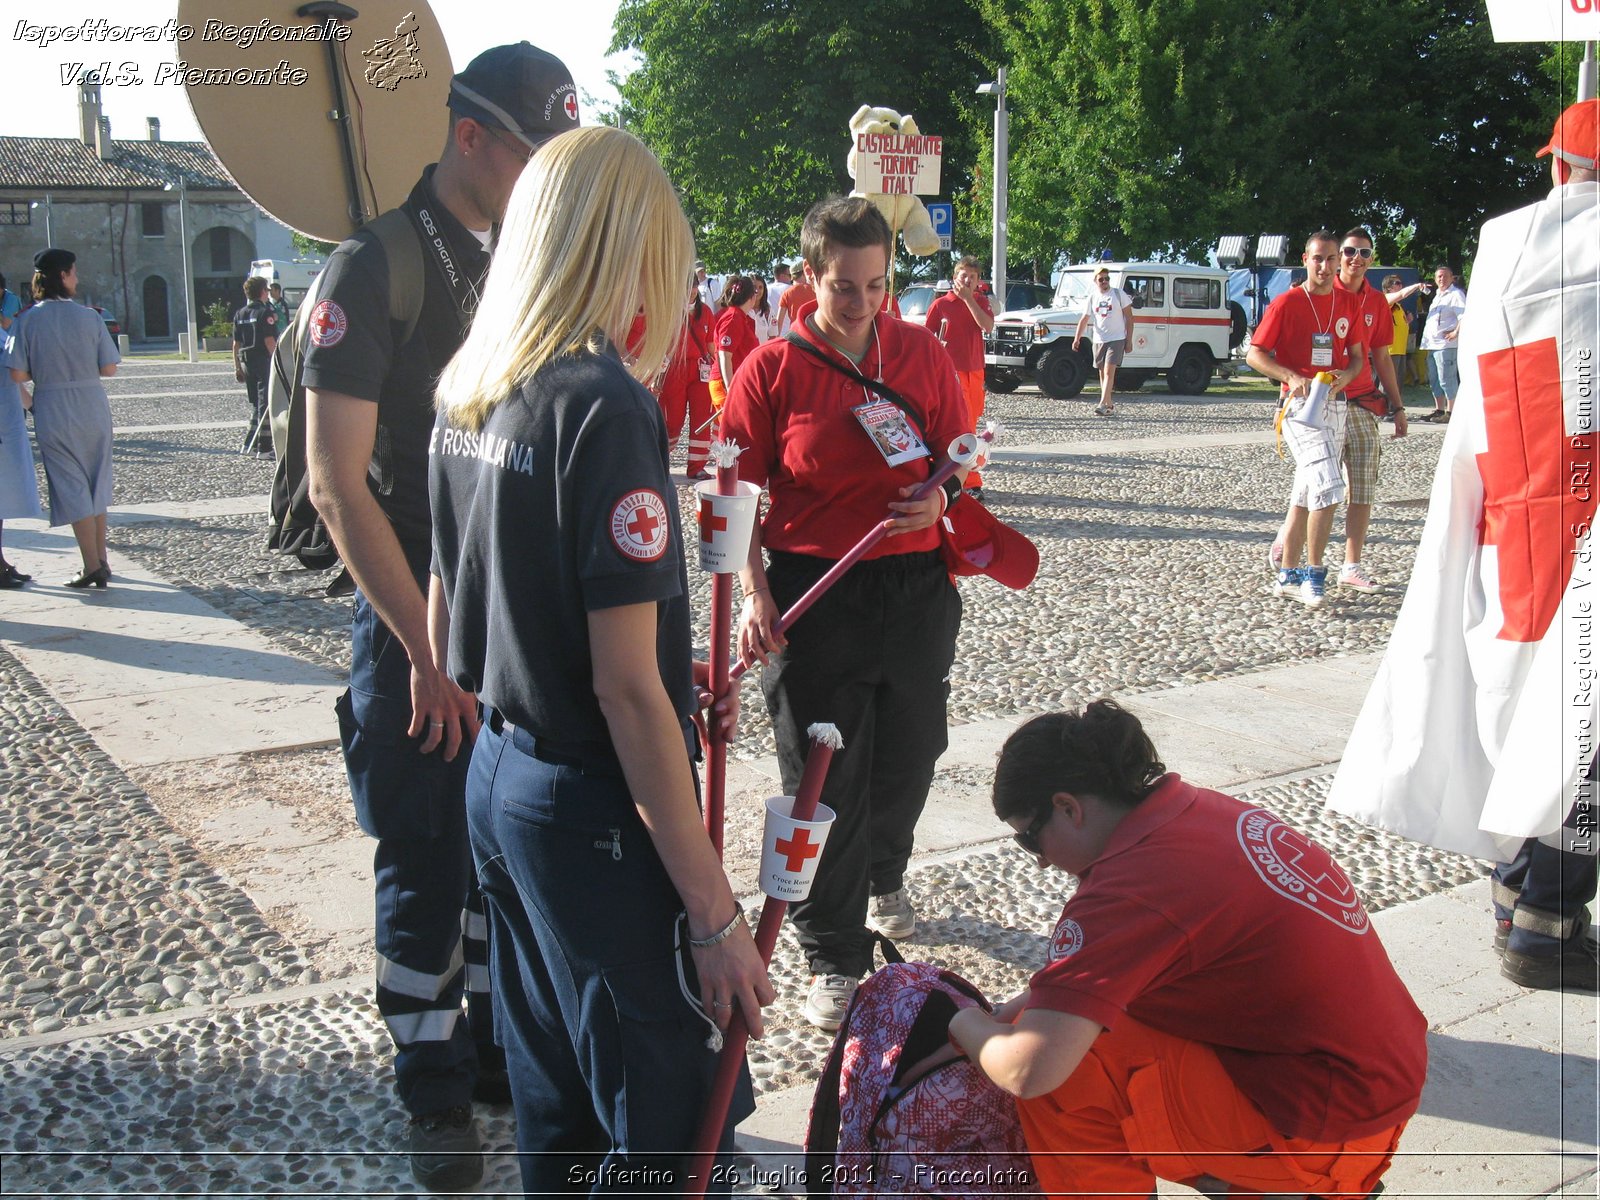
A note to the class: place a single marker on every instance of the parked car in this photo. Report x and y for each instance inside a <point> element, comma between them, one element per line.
<point>113,326</point>
<point>918,298</point>
<point>1184,325</point>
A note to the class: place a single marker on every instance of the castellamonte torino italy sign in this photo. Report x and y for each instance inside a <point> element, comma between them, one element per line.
<point>898,164</point>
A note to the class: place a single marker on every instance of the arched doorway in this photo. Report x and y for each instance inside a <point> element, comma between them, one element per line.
<point>157,317</point>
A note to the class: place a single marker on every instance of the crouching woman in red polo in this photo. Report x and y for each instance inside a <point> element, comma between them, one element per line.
<point>1216,1004</point>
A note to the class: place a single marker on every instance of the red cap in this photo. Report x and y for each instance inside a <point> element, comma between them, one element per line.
<point>986,545</point>
<point>1576,137</point>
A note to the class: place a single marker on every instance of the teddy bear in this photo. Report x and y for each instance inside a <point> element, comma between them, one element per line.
<point>904,213</point>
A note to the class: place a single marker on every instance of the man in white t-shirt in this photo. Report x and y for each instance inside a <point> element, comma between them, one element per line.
<point>775,290</point>
<point>1439,340</point>
<point>706,286</point>
<point>1111,310</point>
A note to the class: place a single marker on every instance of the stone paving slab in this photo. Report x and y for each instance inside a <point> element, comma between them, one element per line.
<point>155,674</point>
<point>1051,450</point>
<point>174,510</point>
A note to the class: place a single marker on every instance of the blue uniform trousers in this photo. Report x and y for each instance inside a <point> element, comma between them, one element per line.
<point>610,1070</point>
<point>1544,891</point>
<point>430,929</point>
<point>257,370</point>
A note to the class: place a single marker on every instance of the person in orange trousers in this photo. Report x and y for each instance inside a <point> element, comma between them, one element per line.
<point>959,319</point>
<point>1217,1009</point>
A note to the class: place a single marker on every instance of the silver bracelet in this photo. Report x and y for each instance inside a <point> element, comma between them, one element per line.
<point>722,934</point>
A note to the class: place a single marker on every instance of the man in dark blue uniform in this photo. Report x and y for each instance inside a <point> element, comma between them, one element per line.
<point>369,388</point>
<point>255,337</point>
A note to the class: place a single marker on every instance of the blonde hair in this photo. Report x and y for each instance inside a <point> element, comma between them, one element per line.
<point>593,234</point>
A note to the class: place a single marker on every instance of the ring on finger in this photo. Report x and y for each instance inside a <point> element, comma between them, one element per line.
<point>720,1004</point>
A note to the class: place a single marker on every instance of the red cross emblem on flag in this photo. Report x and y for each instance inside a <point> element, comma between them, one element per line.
<point>797,849</point>
<point>1538,484</point>
<point>710,523</point>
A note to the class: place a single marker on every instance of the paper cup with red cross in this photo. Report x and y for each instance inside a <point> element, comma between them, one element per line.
<point>790,849</point>
<point>725,524</point>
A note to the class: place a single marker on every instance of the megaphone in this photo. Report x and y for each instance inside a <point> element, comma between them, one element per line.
<point>323,114</point>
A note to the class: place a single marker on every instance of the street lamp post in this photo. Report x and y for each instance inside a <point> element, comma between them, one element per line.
<point>997,89</point>
<point>49,238</point>
<point>188,278</point>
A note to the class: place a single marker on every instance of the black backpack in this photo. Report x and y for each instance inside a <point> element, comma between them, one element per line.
<point>297,528</point>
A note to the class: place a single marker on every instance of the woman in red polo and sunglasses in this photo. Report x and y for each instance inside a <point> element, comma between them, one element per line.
<point>1217,1008</point>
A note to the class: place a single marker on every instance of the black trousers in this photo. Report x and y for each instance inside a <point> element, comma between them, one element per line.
<point>873,658</point>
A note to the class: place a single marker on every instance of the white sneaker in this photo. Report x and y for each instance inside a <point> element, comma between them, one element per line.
<point>829,1000</point>
<point>1354,576</point>
<point>891,914</point>
<point>1313,582</point>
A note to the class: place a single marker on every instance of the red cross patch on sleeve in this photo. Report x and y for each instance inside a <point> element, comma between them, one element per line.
<point>639,526</point>
<point>328,324</point>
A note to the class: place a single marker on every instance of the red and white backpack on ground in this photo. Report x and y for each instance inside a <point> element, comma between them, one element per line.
<point>894,1114</point>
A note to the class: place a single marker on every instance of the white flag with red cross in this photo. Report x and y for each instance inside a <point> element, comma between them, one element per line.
<point>1480,724</point>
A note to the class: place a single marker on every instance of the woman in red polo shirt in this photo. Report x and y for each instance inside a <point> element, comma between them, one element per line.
<point>1216,1004</point>
<point>736,335</point>
<point>873,656</point>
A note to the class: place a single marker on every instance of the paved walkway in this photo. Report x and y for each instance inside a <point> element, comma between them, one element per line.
<point>1510,1107</point>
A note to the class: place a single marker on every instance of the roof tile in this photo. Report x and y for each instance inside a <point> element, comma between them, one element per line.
<point>66,163</point>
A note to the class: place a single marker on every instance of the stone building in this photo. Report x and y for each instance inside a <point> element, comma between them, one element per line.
<point>115,204</point>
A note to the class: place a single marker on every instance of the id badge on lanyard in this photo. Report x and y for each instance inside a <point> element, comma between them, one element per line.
<point>1322,349</point>
<point>705,369</point>
<point>886,424</point>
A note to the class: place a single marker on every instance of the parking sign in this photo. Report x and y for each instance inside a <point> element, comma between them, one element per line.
<point>944,222</point>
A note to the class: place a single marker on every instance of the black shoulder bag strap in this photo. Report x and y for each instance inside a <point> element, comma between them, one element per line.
<point>876,385</point>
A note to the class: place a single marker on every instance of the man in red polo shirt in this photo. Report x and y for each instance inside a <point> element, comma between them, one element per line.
<point>959,319</point>
<point>1367,400</point>
<point>1309,329</point>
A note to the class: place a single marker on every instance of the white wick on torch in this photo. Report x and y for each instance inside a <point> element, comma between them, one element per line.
<point>826,734</point>
<point>725,454</point>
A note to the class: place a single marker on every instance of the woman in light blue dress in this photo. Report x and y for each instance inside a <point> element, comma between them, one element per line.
<point>19,487</point>
<point>63,349</point>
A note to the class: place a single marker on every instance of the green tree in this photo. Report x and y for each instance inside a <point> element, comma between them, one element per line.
<point>308,247</point>
<point>748,105</point>
<point>1151,127</point>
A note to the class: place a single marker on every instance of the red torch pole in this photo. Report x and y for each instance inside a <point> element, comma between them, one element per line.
<point>716,775</point>
<point>962,451</point>
<point>824,741</point>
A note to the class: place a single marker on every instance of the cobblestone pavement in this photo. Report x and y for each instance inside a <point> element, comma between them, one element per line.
<point>159,1035</point>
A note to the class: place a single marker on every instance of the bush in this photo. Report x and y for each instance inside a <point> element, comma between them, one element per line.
<point>219,320</point>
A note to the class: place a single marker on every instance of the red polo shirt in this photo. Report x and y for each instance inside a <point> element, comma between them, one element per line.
<point>828,483</point>
<point>1214,921</point>
<point>1295,315</point>
<point>736,335</point>
<point>1376,327</point>
<point>963,337</point>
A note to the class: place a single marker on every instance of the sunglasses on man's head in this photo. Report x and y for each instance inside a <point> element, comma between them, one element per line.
<point>1028,838</point>
<point>1356,251</point>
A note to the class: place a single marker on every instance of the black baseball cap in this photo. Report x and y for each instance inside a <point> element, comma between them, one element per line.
<point>52,260</point>
<point>519,88</point>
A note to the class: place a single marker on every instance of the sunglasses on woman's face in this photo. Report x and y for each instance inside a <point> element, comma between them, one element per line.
<point>1028,838</point>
